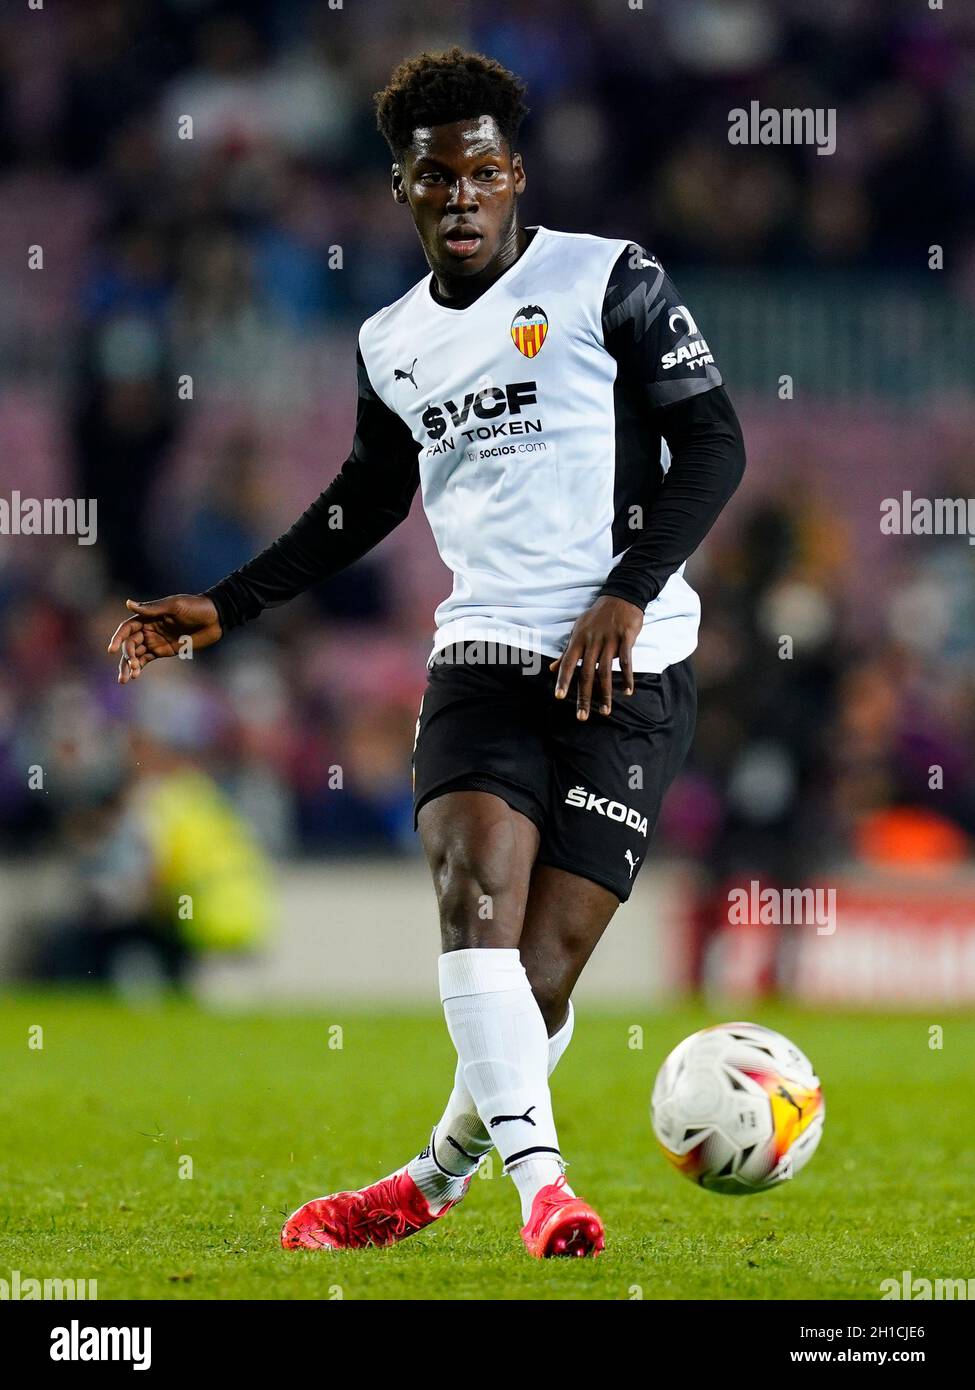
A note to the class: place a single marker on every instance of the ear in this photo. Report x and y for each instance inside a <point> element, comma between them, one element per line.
<point>518,170</point>
<point>398,191</point>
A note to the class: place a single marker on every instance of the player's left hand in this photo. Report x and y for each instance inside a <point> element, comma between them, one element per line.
<point>606,630</point>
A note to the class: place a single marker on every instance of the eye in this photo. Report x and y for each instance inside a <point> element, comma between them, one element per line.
<point>491,172</point>
<point>431,177</point>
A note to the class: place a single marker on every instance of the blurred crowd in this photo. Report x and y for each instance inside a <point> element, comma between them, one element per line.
<point>185,356</point>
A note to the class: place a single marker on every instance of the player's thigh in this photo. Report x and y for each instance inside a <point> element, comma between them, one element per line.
<point>610,774</point>
<point>481,776</point>
<point>480,851</point>
<point>478,730</point>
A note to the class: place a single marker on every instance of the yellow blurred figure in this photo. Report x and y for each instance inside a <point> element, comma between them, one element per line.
<point>211,876</point>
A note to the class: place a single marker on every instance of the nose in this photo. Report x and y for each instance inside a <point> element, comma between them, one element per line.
<point>463,196</point>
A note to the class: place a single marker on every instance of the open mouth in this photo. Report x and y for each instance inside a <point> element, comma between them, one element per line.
<point>462,241</point>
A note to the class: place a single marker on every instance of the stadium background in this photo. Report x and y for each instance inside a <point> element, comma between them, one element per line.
<point>270,779</point>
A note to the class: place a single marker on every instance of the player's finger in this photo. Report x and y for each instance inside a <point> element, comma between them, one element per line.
<point>154,608</point>
<point>132,661</point>
<point>567,666</point>
<point>584,686</point>
<point>606,680</point>
<point>125,629</point>
<point>127,667</point>
<point>626,668</point>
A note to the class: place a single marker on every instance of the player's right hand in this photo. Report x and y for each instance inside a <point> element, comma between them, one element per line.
<point>158,627</point>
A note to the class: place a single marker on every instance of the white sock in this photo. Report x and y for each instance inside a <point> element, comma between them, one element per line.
<point>439,1186</point>
<point>531,1174</point>
<point>502,1045</point>
<point>560,1039</point>
<point>460,1142</point>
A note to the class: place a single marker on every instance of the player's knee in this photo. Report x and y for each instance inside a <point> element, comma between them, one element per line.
<point>474,892</point>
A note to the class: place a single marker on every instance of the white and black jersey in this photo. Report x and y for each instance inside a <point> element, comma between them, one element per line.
<point>569,434</point>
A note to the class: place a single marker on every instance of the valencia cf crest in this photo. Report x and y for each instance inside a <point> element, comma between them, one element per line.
<point>529,329</point>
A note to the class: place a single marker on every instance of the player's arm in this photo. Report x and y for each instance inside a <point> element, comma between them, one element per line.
<point>707,462</point>
<point>368,498</point>
<point>669,375</point>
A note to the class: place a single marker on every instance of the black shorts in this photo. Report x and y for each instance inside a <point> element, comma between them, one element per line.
<point>592,787</point>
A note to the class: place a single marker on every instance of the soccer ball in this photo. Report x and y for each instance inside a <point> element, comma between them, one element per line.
<point>737,1108</point>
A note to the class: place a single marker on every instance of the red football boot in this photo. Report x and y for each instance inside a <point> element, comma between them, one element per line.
<point>387,1212</point>
<point>562,1225</point>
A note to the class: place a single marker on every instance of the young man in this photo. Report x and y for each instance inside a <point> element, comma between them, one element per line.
<point>555,402</point>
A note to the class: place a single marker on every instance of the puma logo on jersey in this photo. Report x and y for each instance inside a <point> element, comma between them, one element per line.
<point>613,810</point>
<point>631,861</point>
<point>400,375</point>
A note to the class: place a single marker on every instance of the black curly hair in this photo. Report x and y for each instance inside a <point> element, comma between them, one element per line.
<point>437,88</point>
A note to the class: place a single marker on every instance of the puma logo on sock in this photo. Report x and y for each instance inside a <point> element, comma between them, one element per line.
<point>454,1145</point>
<point>503,1119</point>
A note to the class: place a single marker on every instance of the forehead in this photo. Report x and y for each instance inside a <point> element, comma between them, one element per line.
<point>464,139</point>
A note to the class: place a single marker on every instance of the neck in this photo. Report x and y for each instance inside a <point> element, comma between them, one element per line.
<point>464,289</point>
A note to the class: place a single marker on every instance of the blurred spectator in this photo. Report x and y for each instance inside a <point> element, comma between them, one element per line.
<point>163,868</point>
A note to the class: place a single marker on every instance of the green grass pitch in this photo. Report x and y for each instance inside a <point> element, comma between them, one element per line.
<point>94,1128</point>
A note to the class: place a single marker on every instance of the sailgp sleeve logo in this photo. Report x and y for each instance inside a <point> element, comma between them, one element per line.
<point>676,315</point>
<point>529,329</point>
<point>612,810</point>
<point>696,352</point>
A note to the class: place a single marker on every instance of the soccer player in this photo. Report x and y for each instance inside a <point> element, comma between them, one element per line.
<point>554,401</point>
